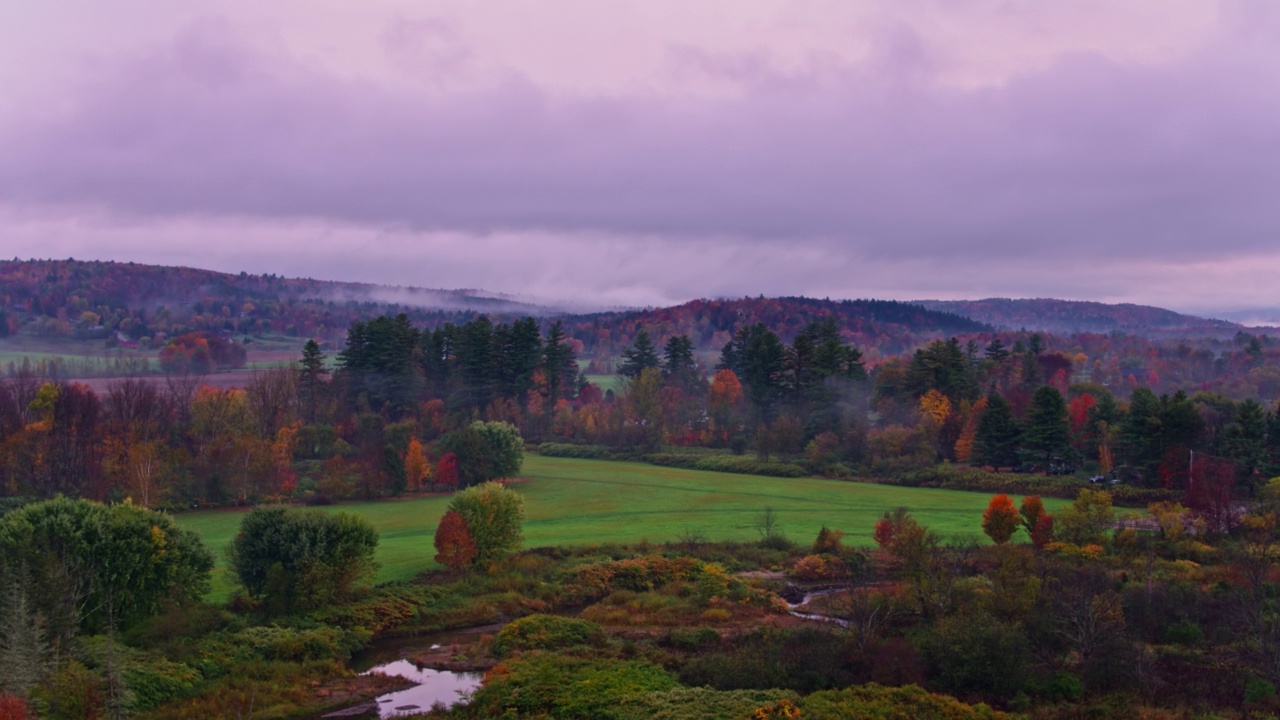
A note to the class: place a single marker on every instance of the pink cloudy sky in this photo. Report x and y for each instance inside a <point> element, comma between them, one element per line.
<point>654,151</point>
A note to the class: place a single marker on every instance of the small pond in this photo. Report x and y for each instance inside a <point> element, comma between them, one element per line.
<point>446,687</point>
<point>433,686</point>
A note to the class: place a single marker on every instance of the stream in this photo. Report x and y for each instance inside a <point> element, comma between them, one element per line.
<point>448,687</point>
<point>804,600</point>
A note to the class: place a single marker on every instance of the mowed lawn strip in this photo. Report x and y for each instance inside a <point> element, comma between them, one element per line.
<point>579,502</point>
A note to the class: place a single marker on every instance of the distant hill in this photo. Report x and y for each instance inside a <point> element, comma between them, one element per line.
<point>1072,316</point>
<point>88,299</point>
<point>128,302</point>
<point>887,325</point>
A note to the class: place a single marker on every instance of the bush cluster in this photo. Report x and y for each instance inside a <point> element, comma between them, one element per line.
<point>726,464</point>
<point>581,452</point>
<point>545,632</point>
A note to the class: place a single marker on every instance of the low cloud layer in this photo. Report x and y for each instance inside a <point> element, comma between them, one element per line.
<point>736,171</point>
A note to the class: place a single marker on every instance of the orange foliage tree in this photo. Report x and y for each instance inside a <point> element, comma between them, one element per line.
<point>969,434</point>
<point>1000,520</point>
<point>416,467</point>
<point>455,548</point>
<point>722,398</point>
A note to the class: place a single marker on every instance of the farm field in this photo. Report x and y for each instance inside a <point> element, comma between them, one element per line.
<point>577,502</point>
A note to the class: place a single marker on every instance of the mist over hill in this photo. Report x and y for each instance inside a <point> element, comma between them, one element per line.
<point>1075,316</point>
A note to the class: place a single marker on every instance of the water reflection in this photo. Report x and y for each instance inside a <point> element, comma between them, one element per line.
<point>433,686</point>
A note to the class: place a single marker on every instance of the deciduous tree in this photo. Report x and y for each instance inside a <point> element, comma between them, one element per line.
<point>455,548</point>
<point>1000,520</point>
<point>494,516</point>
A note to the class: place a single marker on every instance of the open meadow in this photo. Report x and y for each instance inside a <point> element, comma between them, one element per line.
<point>579,502</point>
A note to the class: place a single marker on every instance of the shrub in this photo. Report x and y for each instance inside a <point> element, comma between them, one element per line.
<point>546,632</point>
<point>686,703</point>
<point>802,659</point>
<point>976,654</point>
<point>874,701</point>
<point>818,567</point>
<point>293,645</point>
<point>568,688</point>
<point>828,541</point>
<point>1184,632</point>
<point>686,639</point>
<point>299,559</point>
<point>1258,690</point>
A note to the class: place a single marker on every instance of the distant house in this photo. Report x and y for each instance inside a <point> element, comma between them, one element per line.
<point>125,341</point>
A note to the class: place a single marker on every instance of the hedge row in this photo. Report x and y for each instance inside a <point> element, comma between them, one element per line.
<point>954,478</point>
<point>581,452</point>
<point>726,463</point>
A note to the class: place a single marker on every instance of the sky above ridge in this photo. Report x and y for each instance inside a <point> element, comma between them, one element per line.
<point>651,152</point>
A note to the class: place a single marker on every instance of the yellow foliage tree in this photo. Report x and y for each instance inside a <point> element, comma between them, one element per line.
<point>935,406</point>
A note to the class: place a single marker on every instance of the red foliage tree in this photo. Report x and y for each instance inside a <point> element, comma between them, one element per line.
<point>1037,522</point>
<point>1000,521</point>
<point>1078,416</point>
<point>1209,489</point>
<point>447,471</point>
<point>1042,532</point>
<point>13,707</point>
<point>890,526</point>
<point>455,548</point>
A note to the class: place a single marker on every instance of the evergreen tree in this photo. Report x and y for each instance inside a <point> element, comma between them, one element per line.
<point>476,363</point>
<point>1272,466</point>
<point>1140,433</point>
<point>995,351</point>
<point>832,357</point>
<point>311,378</point>
<point>761,364</point>
<point>996,443</point>
<point>1047,432</point>
<point>379,362</point>
<point>1244,442</point>
<point>523,355</point>
<point>941,366</point>
<point>641,356</point>
<point>559,366</point>
<point>679,366</point>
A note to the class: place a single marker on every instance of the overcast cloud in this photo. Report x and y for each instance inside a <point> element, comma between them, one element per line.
<point>635,153</point>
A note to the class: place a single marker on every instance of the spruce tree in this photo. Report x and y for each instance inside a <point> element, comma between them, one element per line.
<point>641,356</point>
<point>996,443</point>
<point>310,378</point>
<point>1047,432</point>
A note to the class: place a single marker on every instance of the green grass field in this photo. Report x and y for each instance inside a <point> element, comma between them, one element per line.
<point>577,502</point>
<point>606,382</point>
